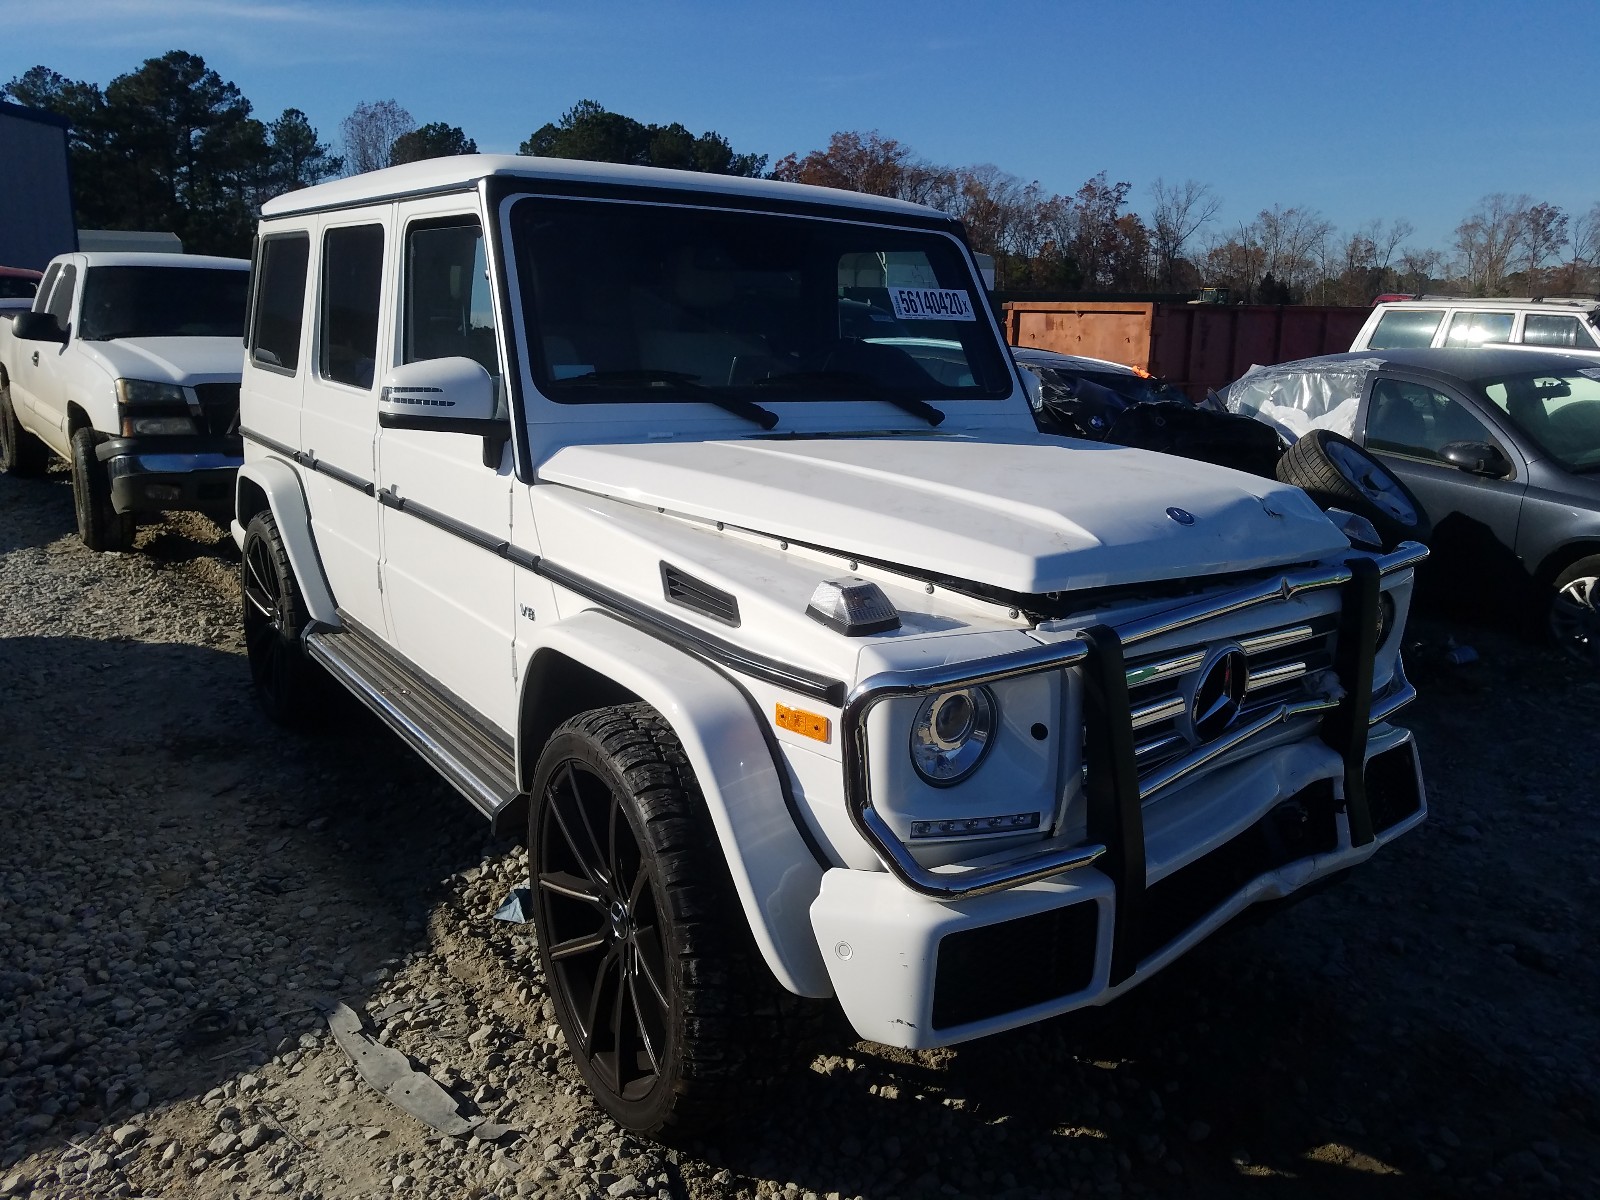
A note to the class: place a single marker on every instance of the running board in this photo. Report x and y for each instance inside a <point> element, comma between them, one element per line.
<point>480,762</point>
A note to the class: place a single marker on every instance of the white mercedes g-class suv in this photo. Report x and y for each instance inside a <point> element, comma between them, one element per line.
<point>701,524</point>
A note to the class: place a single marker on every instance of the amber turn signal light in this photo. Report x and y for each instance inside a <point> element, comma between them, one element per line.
<point>806,724</point>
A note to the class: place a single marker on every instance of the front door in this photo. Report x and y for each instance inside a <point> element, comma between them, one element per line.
<point>451,602</point>
<point>1407,423</point>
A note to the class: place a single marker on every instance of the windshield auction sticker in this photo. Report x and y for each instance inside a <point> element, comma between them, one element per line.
<point>931,304</point>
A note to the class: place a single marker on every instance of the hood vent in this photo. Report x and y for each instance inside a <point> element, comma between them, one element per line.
<point>685,590</point>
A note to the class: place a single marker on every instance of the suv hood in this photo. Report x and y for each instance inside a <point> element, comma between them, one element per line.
<point>170,359</point>
<point>1026,516</point>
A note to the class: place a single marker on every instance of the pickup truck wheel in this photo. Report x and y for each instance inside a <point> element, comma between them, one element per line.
<point>656,980</point>
<point>1337,473</point>
<point>1575,610</point>
<point>21,453</point>
<point>99,525</point>
<point>286,681</point>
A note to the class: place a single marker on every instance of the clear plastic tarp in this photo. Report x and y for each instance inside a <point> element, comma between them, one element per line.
<point>1295,401</point>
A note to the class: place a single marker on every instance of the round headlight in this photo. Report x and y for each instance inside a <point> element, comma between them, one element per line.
<point>951,735</point>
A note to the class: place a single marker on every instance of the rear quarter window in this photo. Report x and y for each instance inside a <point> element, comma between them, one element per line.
<point>280,302</point>
<point>1400,328</point>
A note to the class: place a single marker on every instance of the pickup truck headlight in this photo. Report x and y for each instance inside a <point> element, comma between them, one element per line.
<point>145,393</point>
<point>952,734</point>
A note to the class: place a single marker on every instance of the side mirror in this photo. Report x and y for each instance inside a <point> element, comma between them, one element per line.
<point>444,395</point>
<point>38,327</point>
<point>1477,458</point>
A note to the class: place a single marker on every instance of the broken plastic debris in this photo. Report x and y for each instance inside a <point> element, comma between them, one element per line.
<point>516,907</point>
<point>403,1085</point>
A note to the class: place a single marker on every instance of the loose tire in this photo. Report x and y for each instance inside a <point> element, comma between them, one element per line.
<point>21,453</point>
<point>1574,617</point>
<point>667,1008</point>
<point>100,526</point>
<point>1337,473</point>
<point>288,685</point>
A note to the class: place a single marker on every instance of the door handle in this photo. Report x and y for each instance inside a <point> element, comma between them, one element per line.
<point>36,358</point>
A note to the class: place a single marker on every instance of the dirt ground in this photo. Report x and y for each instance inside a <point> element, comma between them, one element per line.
<point>183,886</point>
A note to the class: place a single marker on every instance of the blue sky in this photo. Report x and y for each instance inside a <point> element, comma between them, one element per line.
<point>1358,110</point>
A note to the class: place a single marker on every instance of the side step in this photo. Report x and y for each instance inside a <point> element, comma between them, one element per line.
<point>474,757</point>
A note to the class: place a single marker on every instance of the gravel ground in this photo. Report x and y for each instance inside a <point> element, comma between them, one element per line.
<point>183,889</point>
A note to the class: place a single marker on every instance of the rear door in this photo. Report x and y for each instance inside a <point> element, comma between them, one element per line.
<point>339,416</point>
<point>1406,422</point>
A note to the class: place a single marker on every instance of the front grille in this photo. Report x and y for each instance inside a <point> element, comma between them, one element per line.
<point>1013,965</point>
<point>1296,829</point>
<point>219,409</point>
<point>1161,685</point>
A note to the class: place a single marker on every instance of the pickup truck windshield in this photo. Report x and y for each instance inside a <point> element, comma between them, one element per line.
<point>123,302</point>
<point>648,303</point>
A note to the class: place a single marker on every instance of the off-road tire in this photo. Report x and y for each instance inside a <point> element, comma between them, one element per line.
<point>1378,494</point>
<point>724,1027</point>
<point>21,454</point>
<point>101,527</point>
<point>1574,610</point>
<point>291,689</point>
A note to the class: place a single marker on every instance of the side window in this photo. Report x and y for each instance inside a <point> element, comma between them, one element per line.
<point>1410,419</point>
<point>1476,328</point>
<point>1548,329</point>
<point>280,302</point>
<point>1402,327</point>
<point>352,278</point>
<point>41,298</point>
<point>61,299</point>
<point>449,309</point>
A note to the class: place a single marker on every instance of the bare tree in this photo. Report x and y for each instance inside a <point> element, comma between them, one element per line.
<point>1490,240</point>
<point>1179,211</point>
<point>370,133</point>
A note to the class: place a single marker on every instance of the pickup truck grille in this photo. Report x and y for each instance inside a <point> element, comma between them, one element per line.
<point>219,409</point>
<point>1161,686</point>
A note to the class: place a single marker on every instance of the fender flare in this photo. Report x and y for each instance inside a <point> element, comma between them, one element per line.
<point>280,484</point>
<point>775,873</point>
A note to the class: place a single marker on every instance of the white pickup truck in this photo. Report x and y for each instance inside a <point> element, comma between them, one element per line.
<point>700,527</point>
<point>127,366</point>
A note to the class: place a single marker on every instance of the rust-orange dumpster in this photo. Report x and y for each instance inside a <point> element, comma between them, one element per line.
<point>1195,346</point>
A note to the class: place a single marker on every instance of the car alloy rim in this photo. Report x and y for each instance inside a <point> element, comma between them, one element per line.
<point>1373,482</point>
<point>263,614</point>
<point>1574,619</point>
<point>601,931</point>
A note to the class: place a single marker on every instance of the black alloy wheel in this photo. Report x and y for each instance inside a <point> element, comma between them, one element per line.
<point>274,618</point>
<point>602,926</point>
<point>669,1013</point>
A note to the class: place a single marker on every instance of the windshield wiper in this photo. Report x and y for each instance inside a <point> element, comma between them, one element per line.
<point>854,381</point>
<point>680,381</point>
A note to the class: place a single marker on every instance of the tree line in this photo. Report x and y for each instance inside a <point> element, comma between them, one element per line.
<point>174,146</point>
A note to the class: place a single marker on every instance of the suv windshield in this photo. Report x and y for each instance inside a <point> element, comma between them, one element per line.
<point>1559,411</point>
<point>655,303</point>
<point>121,302</point>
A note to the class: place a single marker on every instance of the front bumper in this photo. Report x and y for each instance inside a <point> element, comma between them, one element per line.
<point>150,475</point>
<point>914,971</point>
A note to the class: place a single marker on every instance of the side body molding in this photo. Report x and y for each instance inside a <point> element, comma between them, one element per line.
<point>280,483</point>
<point>774,873</point>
